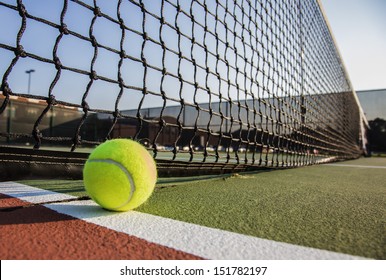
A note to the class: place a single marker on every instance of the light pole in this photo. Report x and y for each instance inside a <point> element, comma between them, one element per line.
<point>29,72</point>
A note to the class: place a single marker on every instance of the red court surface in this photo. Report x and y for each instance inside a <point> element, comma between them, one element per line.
<point>39,233</point>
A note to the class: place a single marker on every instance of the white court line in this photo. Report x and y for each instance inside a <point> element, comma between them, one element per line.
<point>359,166</point>
<point>205,242</point>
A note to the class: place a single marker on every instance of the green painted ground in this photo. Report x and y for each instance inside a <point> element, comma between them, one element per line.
<point>336,208</point>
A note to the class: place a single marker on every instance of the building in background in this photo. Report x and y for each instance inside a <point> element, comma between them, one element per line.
<point>268,121</point>
<point>21,115</point>
<point>373,103</point>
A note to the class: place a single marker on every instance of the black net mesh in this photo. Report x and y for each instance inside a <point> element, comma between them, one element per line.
<point>204,84</point>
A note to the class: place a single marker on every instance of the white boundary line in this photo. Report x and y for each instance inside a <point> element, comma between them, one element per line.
<point>205,242</point>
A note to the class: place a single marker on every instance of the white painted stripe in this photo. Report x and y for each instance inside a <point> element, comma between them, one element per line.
<point>205,242</point>
<point>358,166</point>
<point>31,194</point>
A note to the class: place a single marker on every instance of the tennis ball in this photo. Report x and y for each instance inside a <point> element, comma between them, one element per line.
<point>120,175</point>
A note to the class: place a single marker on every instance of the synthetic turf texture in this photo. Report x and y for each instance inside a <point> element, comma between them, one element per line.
<point>335,208</point>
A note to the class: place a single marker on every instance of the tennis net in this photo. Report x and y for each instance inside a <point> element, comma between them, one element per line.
<point>208,86</point>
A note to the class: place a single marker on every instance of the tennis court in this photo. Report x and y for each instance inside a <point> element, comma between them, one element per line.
<point>246,107</point>
<point>336,209</point>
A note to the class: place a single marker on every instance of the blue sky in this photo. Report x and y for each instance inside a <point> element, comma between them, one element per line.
<point>359,27</point>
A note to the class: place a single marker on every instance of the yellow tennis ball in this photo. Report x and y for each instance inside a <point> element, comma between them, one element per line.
<point>120,175</point>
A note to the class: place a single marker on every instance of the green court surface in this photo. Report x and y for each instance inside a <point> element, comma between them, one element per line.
<point>339,207</point>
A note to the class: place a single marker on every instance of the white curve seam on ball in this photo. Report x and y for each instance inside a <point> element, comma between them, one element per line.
<point>127,173</point>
